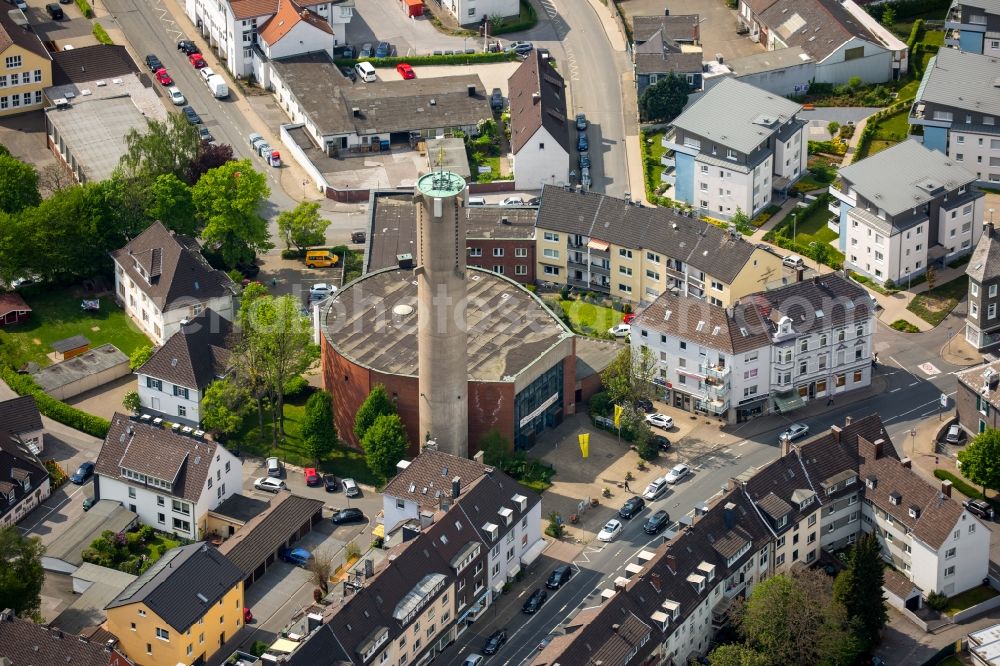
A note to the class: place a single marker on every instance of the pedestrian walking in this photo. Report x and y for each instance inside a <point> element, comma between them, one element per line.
<point>829,401</point>
<point>627,488</point>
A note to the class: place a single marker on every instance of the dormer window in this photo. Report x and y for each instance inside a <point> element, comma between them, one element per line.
<point>871,482</point>
<point>26,484</point>
<point>781,522</point>
<point>806,502</point>
<point>914,512</point>
<point>895,498</point>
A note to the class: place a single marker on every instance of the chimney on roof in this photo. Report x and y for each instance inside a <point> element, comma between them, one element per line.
<point>615,627</point>
<point>672,563</point>
<point>456,487</point>
<point>786,444</point>
<point>472,90</point>
<point>535,97</point>
<point>478,457</point>
<point>990,229</point>
<point>946,488</point>
<point>847,420</point>
<point>666,12</point>
<point>426,519</point>
<point>835,431</point>
<point>304,14</point>
<point>356,111</point>
<point>730,515</point>
<point>907,463</point>
<point>871,450</point>
<point>7,615</point>
<point>656,581</point>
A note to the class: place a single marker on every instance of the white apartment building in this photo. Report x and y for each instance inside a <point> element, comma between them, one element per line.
<point>233,28</point>
<point>474,11</point>
<point>539,128</point>
<point>169,479</point>
<point>162,279</point>
<point>733,148</point>
<point>905,208</point>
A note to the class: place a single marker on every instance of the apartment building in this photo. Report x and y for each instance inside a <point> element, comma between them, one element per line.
<point>733,148</point>
<point>539,128</point>
<point>977,398</point>
<point>956,110</point>
<point>181,610</point>
<point>468,12</point>
<point>24,480</point>
<point>982,324</point>
<point>707,359</point>
<point>27,67</point>
<point>822,494</point>
<point>973,26</point>
<point>592,242</point>
<point>905,208</point>
<point>169,479</point>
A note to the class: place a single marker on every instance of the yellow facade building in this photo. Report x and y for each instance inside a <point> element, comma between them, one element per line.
<point>181,610</point>
<point>25,65</point>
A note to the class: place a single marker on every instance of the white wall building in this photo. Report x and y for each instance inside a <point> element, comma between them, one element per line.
<point>540,130</point>
<point>170,480</point>
<point>474,11</point>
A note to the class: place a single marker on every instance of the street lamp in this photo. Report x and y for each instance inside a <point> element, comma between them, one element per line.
<point>991,216</point>
<point>794,228</point>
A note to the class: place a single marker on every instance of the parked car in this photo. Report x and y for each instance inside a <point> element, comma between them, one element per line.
<point>349,73</point>
<point>205,135</point>
<point>384,50</point>
<point>794,431</point>
<point>512,201</point>
<point>522,48</point>
<point>629,318</point>
<point>345,51</point>
<point>676,473</point>
<point>793,261</point>
<point>83,473</point>
<point>660,420</point>
<point>358,237</point>
<point>351,488</point>
<point>162,77</point>
<point>585,163</point>
<point>311,477</point>
<point>496,100</point>
<point>366,50</point>
<point>954,434</point>
<point>979,507</point>
<point>89,503</point>
<point>662,443</point>
<point>473,660</point>
<point>196,60</point>
<point>581,122</point>
<point>206,72</point>
<point>495,641</point>
<point>581,142</point>
<point>610,531</point>
<point>656,489</point>
<point>191,115</point>
<point>187,47</point>
<point>534,602</point>
<point>632,507</point>
<point>176,96</point>
<point>255,139</point>
<point>644,405</point>
<point>585,178</point>
<point>655,523</point>
<point>351,515</point>
<point>268,484</point>
<point>297,556</point>
<point>405,71</point>
<point>153,63</point>
<point>55,12</point>
<point>619,330</point>
<point>560,575</point>
<point>321,290</point>
<point>331,483</point>
<point>273,467</point>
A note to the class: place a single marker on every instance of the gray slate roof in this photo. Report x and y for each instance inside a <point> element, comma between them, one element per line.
<point>675,27</point>
<point>985,262</point>
<point>263,534</point>
<point>91,63</point>
<point>737,115</point>
<point>818,26</point>
<point>196,355</point>
<point>528,114</point>
<point>703,245</point>
<point>905,176</point>
<point>962,80</point>
<point>667,62</point>
<point>19,415</point>
<point>171,587</point>
<point>707,325</point>
<point>25,643</point>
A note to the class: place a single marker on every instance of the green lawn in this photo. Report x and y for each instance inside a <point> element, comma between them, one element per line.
<point>878,145</point>
<point>894,127</point>
<point>589,319</point>
<point>951,661</point>
<point>654,146</point>
<point>344,461</point>
<point>934,305</point>
<point>969,598</point>
<point>909,91</point>
<point>56,314</point>
<point>813,229</point>
<point>933,37</point>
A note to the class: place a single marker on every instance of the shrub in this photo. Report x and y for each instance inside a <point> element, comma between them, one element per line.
<point>960,484</point>
<point>291,253</point>
<point>57,475</point>
<point>85,8</point>
<point>600,404</point>
<point>904,326</point>
<point>101,34</point>
<point>146,533</point>
<point>296,386</point>
<point>555,527</point>
<point>937,601</point>
<point>54,409</point>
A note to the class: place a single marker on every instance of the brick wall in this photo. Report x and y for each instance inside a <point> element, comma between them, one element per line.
<point>509,261</point>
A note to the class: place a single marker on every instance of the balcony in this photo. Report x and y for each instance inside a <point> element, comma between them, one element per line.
<point>734,587</point>
<point>953,18</point>
<point>668,160</point>
<point>951,38</point>
<point>600,268</point>
<point>719,372</point>
<point>669,175</point>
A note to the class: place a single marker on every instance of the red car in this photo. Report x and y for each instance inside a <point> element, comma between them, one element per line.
<point>405,71</point>
<point>196,60</point>
<point>164,78</point>
<point>312,478</point>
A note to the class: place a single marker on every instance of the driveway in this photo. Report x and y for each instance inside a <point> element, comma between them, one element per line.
<point>384,20</point>
<point>718,24</point>
<point>105,400</point>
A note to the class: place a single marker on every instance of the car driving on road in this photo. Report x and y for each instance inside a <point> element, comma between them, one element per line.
<point>610,531</point>
<point>655,523</point>
<point>794,431</point>
<point>632,507</point>
<point>677,472</point>
<point>560,575</point>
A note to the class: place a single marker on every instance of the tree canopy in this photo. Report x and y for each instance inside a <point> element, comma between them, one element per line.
<point>980,460</point>
<point>224,406</point>
<point>169,201</point>
<point>18,185</point>
<point>227,201</point>
<point>384,444</point>
<point>664,100</point>
<point>495,448</point>
<point>164,147</point>
<point>629,377</point>
<point>22,575</point>
<point>375,405</point>
<point>859,589</point>
<point>318,432</point>
<point>303,226</point>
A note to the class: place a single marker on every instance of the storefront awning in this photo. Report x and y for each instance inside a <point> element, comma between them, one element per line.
<point>513,569</point>
<point>788,401</point>
<point>532,553</point>
<point>599,245</point>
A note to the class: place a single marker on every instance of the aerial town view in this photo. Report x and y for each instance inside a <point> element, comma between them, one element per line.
<point>500,332</point>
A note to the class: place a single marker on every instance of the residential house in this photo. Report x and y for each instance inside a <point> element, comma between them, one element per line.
<point>27,64</point>
<point>707,358</point>
<point>170,479</point>
<point>973,26</point>
<point>24,642</point>
<point>507,517</point>
<point>733,148</point>
<point>467,12</point>
<point>982,326</point>
<point>844,40</point>
<point>248,33</point>
<point>977,398</point>
<point>181,610</point>
<point>13,309</point>
<point>539,130</point>
<point>24,481</point>
<point>666,45</point>
<point>819,495</point>
<point>903,209</point>
<point>162,279</point>
<point>174,379</point>
<point>956,109</point>
<point>593,242</point>
<point>784,72</point>
<point>499,238</point>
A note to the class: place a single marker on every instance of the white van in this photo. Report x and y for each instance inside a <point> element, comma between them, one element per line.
<point>218,86</point>
<point>475,201</point>
<point>365,71</point>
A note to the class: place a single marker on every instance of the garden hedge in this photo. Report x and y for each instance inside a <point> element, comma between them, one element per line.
<point>84,6</point>
<point>102,35</point>
<point>454,59</point>
<point>959,484</point>
<point>55,409</point>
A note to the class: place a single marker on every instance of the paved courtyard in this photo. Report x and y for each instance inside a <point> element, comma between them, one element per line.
<point>718,24</point>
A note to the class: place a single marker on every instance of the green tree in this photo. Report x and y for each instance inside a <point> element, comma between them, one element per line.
<point>820,252</point>
<point>734,654</point>
<point>224,406</point>
<point>170,202</point>
<point>629,377</point>
<point>18,185</point>
<point>888,16</point>
<point>165,147</point>
<point>859,589</point>
<point>384,445</point>
<point>131,402</point>
<point>833,127</point>
<point>227,201</point>
<point>250,359</point>
<point>318,432</point>
<point>139,357</point>
<point>664,100</point>
<point>854,82</point>
<point>980,460</point>
<point>375,405</point>
<point>303,226</point>
<point>22,575</point>
<point>741,221</point>
<point>495,447</point>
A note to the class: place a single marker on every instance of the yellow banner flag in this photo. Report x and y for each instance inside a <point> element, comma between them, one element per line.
<point>584,444</point>
<point>618,416</point>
